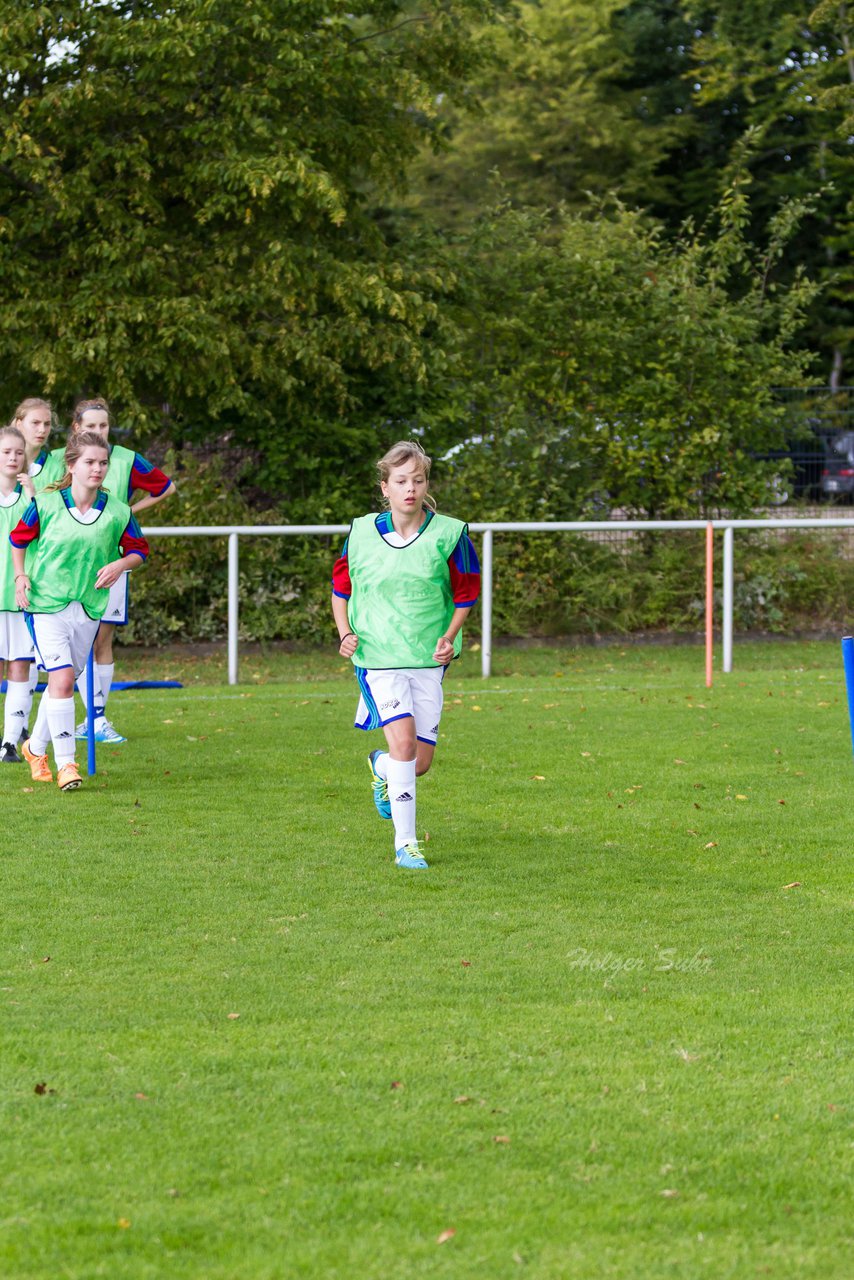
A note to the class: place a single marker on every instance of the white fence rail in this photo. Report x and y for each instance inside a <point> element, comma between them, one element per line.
<point>233,532</point>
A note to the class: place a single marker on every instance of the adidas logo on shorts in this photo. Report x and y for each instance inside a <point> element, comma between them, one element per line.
<point>117,613</point>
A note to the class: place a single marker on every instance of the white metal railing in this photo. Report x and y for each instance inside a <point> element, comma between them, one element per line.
<point>235,531</point>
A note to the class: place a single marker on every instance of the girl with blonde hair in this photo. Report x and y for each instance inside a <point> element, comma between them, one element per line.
<point>401,590</point>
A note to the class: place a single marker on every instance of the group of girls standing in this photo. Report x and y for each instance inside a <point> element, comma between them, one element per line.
<point>74,539</point>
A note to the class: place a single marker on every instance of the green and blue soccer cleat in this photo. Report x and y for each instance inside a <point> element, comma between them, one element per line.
<point>380,787</point>
<point>410,856</point>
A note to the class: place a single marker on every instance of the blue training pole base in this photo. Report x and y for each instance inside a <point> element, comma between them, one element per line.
<point>848,664</point>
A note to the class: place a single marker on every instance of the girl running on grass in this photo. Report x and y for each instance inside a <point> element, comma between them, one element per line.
<point>73,530</point>
<point>129,473</point>
<point>401,591</point>
<point>16,643</point>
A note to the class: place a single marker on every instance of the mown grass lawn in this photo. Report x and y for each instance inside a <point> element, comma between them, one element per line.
<point>607,1034</point>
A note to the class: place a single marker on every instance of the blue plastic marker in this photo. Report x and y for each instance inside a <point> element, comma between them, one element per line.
<point>90,710</point>
<point>848,664</point>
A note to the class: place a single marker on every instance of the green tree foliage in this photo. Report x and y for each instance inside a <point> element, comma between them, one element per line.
<point>610,364</point>
<point>652,100</point>
<point>185,212</point>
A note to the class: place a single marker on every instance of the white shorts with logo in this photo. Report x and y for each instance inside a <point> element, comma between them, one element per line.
<point>116,611</point>
<point>398,692</point>
<point>16,643</point>
<point>63,639</point>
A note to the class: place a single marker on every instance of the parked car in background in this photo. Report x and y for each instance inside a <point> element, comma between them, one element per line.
<point>837,477</point>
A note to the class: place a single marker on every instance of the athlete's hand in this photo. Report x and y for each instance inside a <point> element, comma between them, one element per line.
<point>349,645</point>
<point>22,586</point>
<point>109,574</point>
<point>25,480</point>
<point>444,651</point>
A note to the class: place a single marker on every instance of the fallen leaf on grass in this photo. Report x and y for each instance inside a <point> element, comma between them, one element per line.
<point>475,708</point>
<point>669,1193</point>
<point>397,1084</point>
<point>444,1236</point>
<point>143,1097</point>
<point>124,1223</point>
<point>741,797</point>
<point>28,788</point>
<point>232,1016</point>
<point>677,761</point>
<point>41,1088</point>
<point>713,844</point>
<point>586,755</point>
<point>538,777</point>
<point>502,1137</point>
<point>781,801</point>
<point>466,964</point>
<point>45,959</point>
<point>168,721</point>
<point>796,884</point>
<point>463,1098</point>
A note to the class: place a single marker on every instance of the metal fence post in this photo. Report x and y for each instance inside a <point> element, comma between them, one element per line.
<point>233,607</point>
<point>728,598</point>
<point>486,606</point>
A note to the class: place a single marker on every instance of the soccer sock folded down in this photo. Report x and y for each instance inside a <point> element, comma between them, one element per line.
<point>401,793</point>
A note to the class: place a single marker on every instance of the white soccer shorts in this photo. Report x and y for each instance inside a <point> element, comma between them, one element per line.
<point>16,643</point>
<point>116,611</point>
<point>397,692</point>
<point>63,639</point>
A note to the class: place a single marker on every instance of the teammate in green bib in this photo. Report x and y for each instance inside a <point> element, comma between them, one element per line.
<point>16,645</point>
<point>130,474</point>
<point>69,547</point>
<point>401,591</point>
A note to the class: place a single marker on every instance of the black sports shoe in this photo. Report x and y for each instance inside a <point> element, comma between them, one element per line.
<point>8,754</point>
<point>25,735</point>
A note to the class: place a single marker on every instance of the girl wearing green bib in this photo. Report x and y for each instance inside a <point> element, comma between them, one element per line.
<point>64,554</point>
<point>401,590</point>
<point>16,645</point>
<point>130,473</point>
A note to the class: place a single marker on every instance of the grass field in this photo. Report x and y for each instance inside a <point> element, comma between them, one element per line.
<point>607,1034</point>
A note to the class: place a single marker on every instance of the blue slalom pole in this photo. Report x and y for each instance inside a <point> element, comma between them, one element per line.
<point>848,664</point>
<point>90,711</point>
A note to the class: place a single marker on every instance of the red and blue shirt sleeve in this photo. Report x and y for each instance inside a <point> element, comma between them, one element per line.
<point>341,585</point>
<point>27,529</point>
<point>465,573</point>
<point>145,476</point>
<point>132,541</point>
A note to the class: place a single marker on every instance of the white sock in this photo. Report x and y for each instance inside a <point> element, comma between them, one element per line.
<point>35,672</point>
<point>60,717</point>
<point>16,714</point>
<point>40,736</point>
<point>401,793</point>
<point>105,675</point>
<point>381,765</point>
<point>83,690</point>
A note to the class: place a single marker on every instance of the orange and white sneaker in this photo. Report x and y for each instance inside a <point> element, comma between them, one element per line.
<point>39,767</point>
<point>68,778</point>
